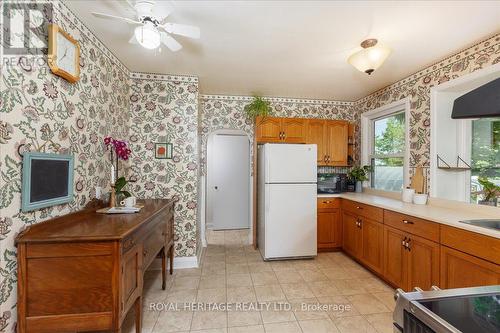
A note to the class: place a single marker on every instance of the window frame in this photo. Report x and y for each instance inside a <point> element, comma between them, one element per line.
<point>367,135</point>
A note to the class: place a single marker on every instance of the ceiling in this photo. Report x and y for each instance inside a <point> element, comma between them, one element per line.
<point>298,48</point>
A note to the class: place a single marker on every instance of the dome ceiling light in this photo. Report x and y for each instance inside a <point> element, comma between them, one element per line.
<point>370,58</point>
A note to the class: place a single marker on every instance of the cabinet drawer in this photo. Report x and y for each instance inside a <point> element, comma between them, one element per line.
<point>328,203</point>
<point>412,225</point>
<point>478,245</point>
<point>360,209</point>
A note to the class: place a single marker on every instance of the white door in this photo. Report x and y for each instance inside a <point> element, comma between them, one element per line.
<point>290,220</point>
<point>290,163</point>
<point>229,181</point>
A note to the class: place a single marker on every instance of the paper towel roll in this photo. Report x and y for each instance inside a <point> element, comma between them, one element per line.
<point>407,195</point>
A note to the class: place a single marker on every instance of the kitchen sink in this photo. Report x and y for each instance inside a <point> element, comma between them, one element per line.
<point>487,223</point>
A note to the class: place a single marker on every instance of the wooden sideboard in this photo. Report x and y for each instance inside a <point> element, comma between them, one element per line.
<point>84,271</point>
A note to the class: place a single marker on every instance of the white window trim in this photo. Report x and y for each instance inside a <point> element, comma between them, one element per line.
<point>367,132</point>
<point>451,90</point>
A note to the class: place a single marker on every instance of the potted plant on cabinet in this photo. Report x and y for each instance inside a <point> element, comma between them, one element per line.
<point>359,174</point>
<point>258,108</point>
<point>489,192</point>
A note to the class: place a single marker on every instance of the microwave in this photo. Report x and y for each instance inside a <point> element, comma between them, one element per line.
<point>332,183</point>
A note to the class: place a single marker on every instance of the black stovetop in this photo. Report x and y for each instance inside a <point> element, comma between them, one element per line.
<point>470,314</point>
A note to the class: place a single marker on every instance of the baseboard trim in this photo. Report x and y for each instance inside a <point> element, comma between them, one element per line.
<point>179,263</point>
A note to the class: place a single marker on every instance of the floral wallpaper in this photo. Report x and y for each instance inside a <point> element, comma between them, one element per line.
<point>164,108</point>
<point>417,87</point>
<point>43,112</point>
<point>227,112</point>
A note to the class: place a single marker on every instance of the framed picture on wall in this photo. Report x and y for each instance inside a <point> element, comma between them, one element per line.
<point>163,150</point>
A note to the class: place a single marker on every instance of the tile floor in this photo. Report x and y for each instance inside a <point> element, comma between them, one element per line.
<point>330,293</point>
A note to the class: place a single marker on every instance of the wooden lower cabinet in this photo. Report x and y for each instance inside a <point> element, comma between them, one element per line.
<point>329,229</point>
<point>423,263</point>
<point>372,240</point>
<point>411,252</point>
<point>363,239</point>
<point>394,257</point>
<point>351,235</point>
<point>329,224</point>
<point>459,270</point>
<point>410,261</point>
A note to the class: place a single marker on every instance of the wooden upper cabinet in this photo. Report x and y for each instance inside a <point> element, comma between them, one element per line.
<point>423,263</point>
<point>268,129</point>
<point>316,134</point>
<point>331,137</point>
<point>337,136</point>
<point>294,130</point>
<point>284,130</point>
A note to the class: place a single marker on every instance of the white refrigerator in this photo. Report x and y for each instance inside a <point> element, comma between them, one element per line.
<point>287,194</point>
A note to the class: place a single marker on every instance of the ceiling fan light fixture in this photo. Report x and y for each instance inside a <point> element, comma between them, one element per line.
<point>370,58</point>
<point>148,36</point>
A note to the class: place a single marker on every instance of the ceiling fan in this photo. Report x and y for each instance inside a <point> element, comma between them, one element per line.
<point>151,27</point>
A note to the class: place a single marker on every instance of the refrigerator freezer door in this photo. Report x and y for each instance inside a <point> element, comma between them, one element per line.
<point>290,163</point>
<point>290,221</point>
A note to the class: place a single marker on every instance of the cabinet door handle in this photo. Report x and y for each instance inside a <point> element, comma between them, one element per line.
<point>403,242</point>
<point>359,207</point>
<point>145,253</point>
<point>327,202</point>
<point>408,244</point>
<point>407,222</point>
<point>284,135</point>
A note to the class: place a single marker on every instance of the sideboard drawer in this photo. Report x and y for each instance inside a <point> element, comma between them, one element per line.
<point>357,208</point>
<point>413,225</point>
<point>153,243</point>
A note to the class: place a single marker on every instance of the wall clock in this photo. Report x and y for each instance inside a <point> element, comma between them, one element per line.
<point>64,54</point>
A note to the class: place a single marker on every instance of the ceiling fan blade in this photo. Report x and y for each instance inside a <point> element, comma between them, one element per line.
<point>169,42</point>
<point>130,3</point>
<point>162,10</point>
<point>133,40</point>
<point>112,17</point>
<point>190,31</point>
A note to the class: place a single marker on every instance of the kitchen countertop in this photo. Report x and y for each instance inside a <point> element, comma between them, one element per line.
<point>438,214</point>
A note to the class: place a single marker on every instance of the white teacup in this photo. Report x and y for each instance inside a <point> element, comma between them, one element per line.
<point>128,202</point>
